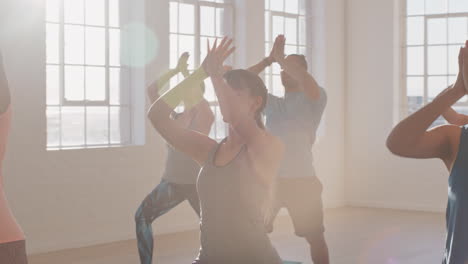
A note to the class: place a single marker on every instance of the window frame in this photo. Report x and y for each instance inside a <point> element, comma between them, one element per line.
<point>125,93</point>
<point>404,109</point>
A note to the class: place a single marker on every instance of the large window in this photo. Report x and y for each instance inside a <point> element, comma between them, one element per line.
<point>435,30</point>
<point>192,23</point>
<point>87,93</point>
<point>286,17</point>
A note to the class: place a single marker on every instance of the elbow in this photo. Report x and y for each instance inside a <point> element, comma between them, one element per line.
<point>395,146</point>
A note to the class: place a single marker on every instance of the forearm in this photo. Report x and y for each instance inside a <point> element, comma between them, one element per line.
<point>409,131</point>
<point>154,89</point>
<point>261,66</point>
<point>4,89</point>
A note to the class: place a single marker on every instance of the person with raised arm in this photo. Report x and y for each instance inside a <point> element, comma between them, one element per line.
<point>413,138</point>
<point>178,183</point>
<point>237,176</point>
<point>295,119</point>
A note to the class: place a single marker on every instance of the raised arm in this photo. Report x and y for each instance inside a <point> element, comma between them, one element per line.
<point>4,89</point>
<point>154,89</point>
<point>194,144</point>
<point>306,80</point>
<point>411,137</point>
<point>455,118</point>
<point>204,118</point>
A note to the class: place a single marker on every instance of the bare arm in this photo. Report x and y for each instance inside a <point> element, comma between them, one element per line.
<point>305,79</point>
<point>261,66</point>
<point>4,89</point>
<point>194,144</point>
<point>411,137</point>
<point>455,118</point>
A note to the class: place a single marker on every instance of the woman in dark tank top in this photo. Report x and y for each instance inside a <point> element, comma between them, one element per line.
<point>236,180</point>
<point>411,138</point>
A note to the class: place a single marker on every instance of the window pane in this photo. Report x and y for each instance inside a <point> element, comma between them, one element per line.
<point>52,43</point>
<point>277,5</point>
<point>95,12</point>
<point>437,60</point>
<point>415,31</point>
<point>436,6</point>
<point>114,13</point>
<point>114,86</point>
<point>302,31</point>
<point>290,49</point>
<point>73,126</point>
<point>95,83</point>
<point>114,47</point>
<point>173,10</point>
<point>437,30</point>
<point>186,18</point>
<point>415,7</point>
<point>292,6</point>
<point>174,50</point>
<point>221,29</point>
<point>53,126</point>
<point>53,85</point>
<point>415,61</point>
<point>458,29</point>
<point>207,20</point>
<point>415,88</point>
<point>74,11</point>
<point>52,10</point>
<point>97,126</point>
<point>458,6</point>
<point>291,30</point>
<point>74,83</point>
<point>187,44</point>
<point>436,85</point>
<point>120,125</point>
<point>95,46</point>
<point>278,26</point>
<point>453,59</point>
<point>74,44</point>
<point>267,4</point>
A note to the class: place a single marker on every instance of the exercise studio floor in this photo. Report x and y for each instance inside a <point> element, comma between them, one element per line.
<point>355,236</point>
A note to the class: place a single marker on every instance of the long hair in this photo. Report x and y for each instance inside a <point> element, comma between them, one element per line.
<point>243,79</point>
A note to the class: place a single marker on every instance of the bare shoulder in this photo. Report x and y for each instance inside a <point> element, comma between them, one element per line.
<point>275,149</point>
<point>452,133</point>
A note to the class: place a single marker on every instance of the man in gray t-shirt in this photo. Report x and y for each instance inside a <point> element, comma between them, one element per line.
<point>295,118</point>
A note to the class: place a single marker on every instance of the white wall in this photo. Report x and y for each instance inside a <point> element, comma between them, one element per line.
<point>76,198</point>
<point>373,176</point>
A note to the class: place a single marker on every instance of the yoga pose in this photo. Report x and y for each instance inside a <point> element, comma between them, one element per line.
<point>12,242</point>
<point>455,118</point>
<point>237,175</point>
<point>179,179</point>
<point>295,118</point>
<point>412,138</point>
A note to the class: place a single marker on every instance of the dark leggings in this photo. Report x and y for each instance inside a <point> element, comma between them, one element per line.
<point>13,252</point>
<point>160,201</point>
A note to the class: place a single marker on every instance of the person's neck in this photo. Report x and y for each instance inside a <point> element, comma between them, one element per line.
<point>245,134</point>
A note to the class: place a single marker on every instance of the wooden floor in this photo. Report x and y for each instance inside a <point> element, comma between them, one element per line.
<point>355,236</point>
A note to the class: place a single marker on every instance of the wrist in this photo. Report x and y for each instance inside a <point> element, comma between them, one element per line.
<point>268,61</point>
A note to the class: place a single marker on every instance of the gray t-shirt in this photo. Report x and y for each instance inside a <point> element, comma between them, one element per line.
<point>295,119</point>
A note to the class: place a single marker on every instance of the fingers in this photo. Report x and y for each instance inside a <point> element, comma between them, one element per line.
<point>228,53</point>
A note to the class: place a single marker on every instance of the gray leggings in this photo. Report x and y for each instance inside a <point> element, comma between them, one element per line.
<point>13,252</point>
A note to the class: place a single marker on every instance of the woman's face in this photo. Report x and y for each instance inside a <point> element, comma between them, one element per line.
<point>242,107</point>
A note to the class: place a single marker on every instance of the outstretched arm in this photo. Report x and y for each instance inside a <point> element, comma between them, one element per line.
<point>305,79</point>
<point>4,89</point>
<point>194,144</point>
<point>411,137</point>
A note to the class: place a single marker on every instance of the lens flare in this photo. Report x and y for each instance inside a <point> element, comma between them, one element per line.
<point>139,45</point>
